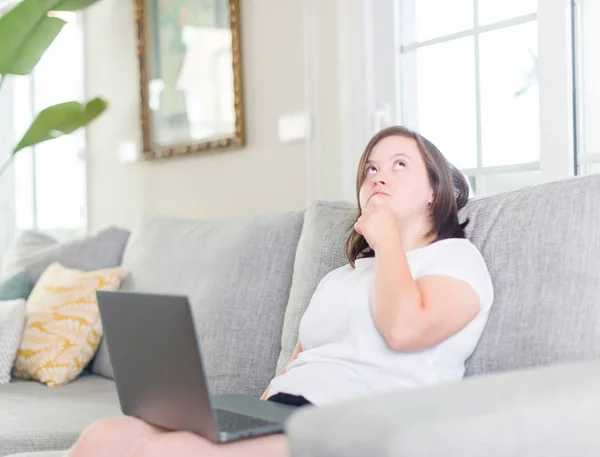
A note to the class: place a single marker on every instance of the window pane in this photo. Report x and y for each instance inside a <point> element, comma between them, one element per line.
<point>58,77</point>
<point>504,182</point>
<point>588,71</point>
<point>592,168</point>
<point>435,18</point>
<point>60,171</point>
<point>21,108</point>
<point>446,99</point>
<point>6,179</point>
<point>23,167</point>
<point>23,164</point>
<point>60,184</point>
<point>509,96</point>
<point>491,11</point>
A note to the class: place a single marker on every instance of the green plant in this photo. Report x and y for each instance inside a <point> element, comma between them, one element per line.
<point>26,32</point>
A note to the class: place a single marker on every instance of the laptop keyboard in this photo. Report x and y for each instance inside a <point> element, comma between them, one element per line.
<point>228,421</point>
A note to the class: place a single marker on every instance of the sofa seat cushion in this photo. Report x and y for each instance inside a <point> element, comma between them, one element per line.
<point>38,418</point>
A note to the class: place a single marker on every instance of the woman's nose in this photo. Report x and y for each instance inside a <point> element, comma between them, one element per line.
<point>379,180</point>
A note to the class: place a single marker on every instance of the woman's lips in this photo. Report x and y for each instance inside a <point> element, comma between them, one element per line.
<point>378,193</point>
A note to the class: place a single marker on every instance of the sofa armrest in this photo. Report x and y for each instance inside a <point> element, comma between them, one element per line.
<point>540,412</point>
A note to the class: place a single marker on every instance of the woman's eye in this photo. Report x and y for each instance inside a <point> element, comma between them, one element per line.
<point>400,164</point>
<point>371,170</point>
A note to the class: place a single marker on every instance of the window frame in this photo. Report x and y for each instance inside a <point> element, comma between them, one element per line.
<point>9,199</point>
<point>556,104</point>
<point>583,159</point>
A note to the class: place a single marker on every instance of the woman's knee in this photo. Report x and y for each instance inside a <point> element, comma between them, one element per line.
<point>182,444</point>
<point>105,427</point>
<point>100,432</point>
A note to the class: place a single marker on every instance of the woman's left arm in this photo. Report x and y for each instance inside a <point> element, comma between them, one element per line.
<point>411,314</point>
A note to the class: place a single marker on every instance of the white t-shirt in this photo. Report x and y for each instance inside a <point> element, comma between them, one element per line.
<point>344,356</point>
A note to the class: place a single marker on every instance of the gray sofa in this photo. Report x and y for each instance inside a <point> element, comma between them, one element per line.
<point>532,386</point>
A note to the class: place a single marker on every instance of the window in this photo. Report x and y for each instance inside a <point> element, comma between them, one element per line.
<point>490,84</point>
<point>45,188</point>
<point>587,69</point>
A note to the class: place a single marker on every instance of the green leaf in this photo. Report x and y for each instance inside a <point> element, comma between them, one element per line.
<point>60,120</point>
<point>34,47</point>
<point>73,5</point>
<point>27,31</point>
<point>18,31</point>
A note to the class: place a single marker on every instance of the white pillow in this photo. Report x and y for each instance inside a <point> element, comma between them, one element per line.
<point>12,322</point>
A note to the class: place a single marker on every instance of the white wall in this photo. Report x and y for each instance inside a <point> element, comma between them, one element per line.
<point>263,176</point>
<point>279,77</point>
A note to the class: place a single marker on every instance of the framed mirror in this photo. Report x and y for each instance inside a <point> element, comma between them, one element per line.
<point>190,76</point>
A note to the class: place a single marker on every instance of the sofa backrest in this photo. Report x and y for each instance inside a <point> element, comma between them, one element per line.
<point>251,280</point>
<point>542,247</point>
<point>237,274</point>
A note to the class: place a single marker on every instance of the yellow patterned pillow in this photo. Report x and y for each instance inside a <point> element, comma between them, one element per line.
<point>63,326</point>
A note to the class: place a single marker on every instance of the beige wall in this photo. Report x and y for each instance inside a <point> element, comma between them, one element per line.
<point>264,176</point>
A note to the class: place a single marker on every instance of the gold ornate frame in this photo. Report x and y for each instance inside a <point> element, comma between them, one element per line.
<point>237,140</point>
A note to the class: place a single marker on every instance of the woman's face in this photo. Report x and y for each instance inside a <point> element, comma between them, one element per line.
<point>395,175</point>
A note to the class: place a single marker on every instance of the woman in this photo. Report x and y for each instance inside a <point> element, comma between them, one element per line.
<point>407,310</point>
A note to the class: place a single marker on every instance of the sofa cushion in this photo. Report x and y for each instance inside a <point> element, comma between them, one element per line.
<point>237,274</point>
<point>12,320</point>
<point>63,327</point>
<point>39,418</point>
<point>25,251</point>
<point>543,412</point>
<point>542,248</point>
<point>321,249</point>
<point>15,287</point>
<point>40,454</point>
<point>33,252</point>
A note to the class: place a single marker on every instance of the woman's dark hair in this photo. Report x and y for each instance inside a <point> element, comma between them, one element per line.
<point>450,192</point>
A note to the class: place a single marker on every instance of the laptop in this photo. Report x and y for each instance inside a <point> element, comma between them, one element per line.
<point>159,372</point>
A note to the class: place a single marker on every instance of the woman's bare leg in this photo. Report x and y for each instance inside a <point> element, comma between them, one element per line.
<point>113,437</point>
<point>184,444</point>
<point>130,437</point>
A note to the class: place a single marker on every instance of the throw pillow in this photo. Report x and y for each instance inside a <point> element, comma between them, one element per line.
<point>12,319</point>
<point>23,251</point>
<point>16,287</point>
<point>33,252</point>
<point>63,326</point>
<point>321,249</point>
